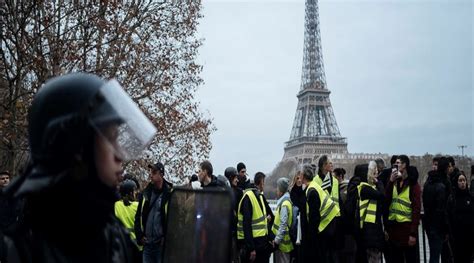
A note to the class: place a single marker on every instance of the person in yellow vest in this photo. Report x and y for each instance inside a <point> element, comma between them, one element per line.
<point>281,225</point>
<point>318,224</point>
<point>259,181</point>
<point>126,207</point>
<point>370,203</point>
<point>326,180</point>
<point>252,227</point>
<point>403,195</point>
<point>330,185</point>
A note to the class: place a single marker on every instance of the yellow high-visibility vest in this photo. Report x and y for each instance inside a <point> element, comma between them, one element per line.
<point>367,207</point>
<point>334,190</point>
<point>286,246</point>
<point>328,209</point>
<point>126,215</point>
<point>259,218</point>
<point>400,207</point>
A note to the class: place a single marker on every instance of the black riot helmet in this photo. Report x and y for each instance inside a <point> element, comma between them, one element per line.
<point>57,119</point>
<point>127,187</point>
<point>68,110</point>
<point>230,173</point>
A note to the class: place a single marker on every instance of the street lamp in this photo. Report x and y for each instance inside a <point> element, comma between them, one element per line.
<point>462,149</point>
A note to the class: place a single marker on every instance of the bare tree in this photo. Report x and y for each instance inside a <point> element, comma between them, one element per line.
<point>149,46</point>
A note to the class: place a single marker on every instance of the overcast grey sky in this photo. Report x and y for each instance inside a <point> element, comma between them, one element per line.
<point>400,73</point>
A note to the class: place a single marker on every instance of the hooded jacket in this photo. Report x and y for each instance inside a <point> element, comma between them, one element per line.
<point>435,197</point>
<point>461,215</point>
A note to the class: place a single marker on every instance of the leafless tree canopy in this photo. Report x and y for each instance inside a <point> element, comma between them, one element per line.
<point>149,46</point>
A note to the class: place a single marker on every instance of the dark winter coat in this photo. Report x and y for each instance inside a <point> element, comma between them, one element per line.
<point>236,197</point>
<point>73,221</point>
<point>434,203</point>
<point>144,208</point>
<point>312,239</point>
<point>250,243</point>
<point>244,184</point>
<point>215,182</point>
<point>384,176</point>
<point>349,208</point>
<point>297,196</point>
<point>372,235</point>
<point>461,219</point>
<point>111,244</point>
<point>9,211</point>
<point>453,178</point>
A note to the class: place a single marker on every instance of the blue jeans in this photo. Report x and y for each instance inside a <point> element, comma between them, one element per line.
<point>152,253</point>
<point>435,240</point>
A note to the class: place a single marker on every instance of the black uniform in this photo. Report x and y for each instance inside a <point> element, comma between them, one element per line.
<point>68,196</point>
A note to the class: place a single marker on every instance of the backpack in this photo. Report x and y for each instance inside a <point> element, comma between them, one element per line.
<point>293,228</point>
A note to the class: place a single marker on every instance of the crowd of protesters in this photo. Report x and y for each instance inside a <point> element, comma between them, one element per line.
<point>374,215</point>
<point>64,207</point>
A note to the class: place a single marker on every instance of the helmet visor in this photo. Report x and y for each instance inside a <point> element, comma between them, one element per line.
<point>119,119</point>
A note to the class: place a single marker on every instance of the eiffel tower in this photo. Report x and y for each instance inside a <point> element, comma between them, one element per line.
<point>315,131</point>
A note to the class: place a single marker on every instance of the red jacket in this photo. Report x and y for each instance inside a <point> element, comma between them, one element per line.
<point>399,232</point>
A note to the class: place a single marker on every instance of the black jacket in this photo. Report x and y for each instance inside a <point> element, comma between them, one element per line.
<point>453,179</point>
<point>384,176</point>
<point>251,243</point>
<point>244,184</point>
<point>298,197</point>
<point>72,221</point>
<point>236,197</point>
<point>435,199</point>
<point>372,235</point>
<point>110,244</point>
<point>144,208</point>
<point>461,216</point>
<point>215,182</point>
<point>9,211</point>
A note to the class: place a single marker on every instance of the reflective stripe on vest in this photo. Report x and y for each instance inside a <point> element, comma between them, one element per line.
<point>334,190</point>
<point>400,207</point>
<point>328,208</point>
<point>126,215</point>
<point>259,219</point>
<point>285,246</point>
<point>367,207</point>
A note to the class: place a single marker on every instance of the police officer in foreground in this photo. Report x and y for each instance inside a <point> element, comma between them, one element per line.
<point>81,128</point>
